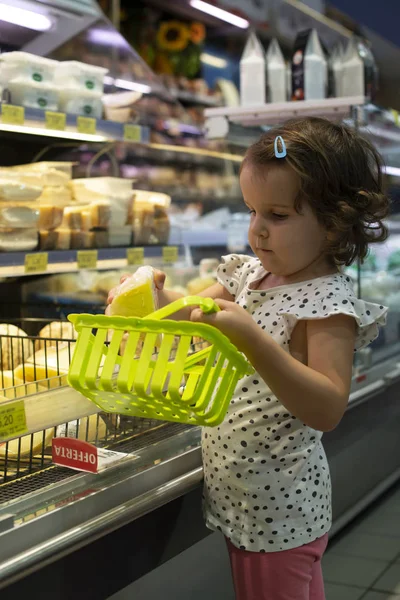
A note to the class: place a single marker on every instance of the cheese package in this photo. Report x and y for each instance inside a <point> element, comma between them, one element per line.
<point>18,240</point>
<point>142,223</point>
<point>161,227</point>
<point>18,216</point>
<point>12,189</point>
<point>54,172</point>
<point>136,296</point>
<point>100,214</point>
<point>82,240</point>
<point>56,239</point>
<point>15,349</point>
<point>34,95</point>
<point>72,217</point>
<point>50,364</point>
<point>50,334</point>
<point>100,239</point>
<point>56,195</point>
<point>50,217</point>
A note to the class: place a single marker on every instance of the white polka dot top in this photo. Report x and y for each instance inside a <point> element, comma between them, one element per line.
<point>267,484</point>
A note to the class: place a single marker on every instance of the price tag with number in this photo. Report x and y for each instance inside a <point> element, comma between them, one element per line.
<point>36,263</point>
<point>135,256</point>
<point>87,259</point>
<point>55,120</point>
<point>170,254</point>
<point>86,125</point>
<point>12,420</point>
<point>132,133</point>
<point>12,115</point>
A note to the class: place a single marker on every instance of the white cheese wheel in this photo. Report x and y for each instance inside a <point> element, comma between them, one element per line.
<point>14,350</point>
<point>57,330</point>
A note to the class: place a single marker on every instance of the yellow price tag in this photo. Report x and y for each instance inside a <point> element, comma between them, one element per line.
<point>55,120</point>
<point>87,259</point>
<point>12,420</point>
<point>170,254</point>
<point>12,115</point>
<point>135,256</point>
<point>86,125</point>
<point>132,133</point>
<point>36,263</point>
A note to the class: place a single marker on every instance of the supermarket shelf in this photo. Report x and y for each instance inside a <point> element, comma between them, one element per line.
<point>270,114</point>
<point>190,98</point>
<point>48,409</point>
<point>34,123</point>
<point>12,264</point>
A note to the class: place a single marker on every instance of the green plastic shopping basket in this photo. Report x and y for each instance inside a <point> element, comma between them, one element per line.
<point>171,383</point>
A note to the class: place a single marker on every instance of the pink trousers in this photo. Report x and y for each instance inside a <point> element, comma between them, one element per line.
<point>288,575</point>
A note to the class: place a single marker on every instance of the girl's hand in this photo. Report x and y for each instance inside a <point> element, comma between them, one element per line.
<point>233,321</point>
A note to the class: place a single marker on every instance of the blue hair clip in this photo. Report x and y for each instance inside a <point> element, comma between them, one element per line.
<point>279,153</point>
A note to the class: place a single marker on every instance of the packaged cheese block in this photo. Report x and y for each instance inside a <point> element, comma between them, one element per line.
<point>100,239</point>
<point>55,172</point>
<point>48,240</point>
<point>161,227</point>
<point>136,296</point>
<point>13,190</point>
<point>48,376</point>
<point>50,334</point>
<point>100,213</point>
<point>142,223</point>
<point>82,239</point>
<point>63,238</point>
<point>86,220</point>
<point>18,240</point>
<point>50,364</point>
<point>50,217</point>
<point>73,217</point>
<point>14,347</point>
<point>18,216</point>
<point>59,195</point>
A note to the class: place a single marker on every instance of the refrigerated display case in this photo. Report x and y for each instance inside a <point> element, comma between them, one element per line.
<point>111,528</point>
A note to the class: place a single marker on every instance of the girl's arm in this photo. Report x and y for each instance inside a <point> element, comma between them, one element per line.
<point>316,393</point>
<point>167,296</point>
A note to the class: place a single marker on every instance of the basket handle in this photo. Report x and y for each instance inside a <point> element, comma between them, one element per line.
<point>207,305</point>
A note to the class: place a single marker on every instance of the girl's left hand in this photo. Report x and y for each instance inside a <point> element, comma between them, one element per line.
<point>233,321</point>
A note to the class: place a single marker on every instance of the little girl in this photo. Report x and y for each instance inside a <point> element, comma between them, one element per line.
<point>313,190</point>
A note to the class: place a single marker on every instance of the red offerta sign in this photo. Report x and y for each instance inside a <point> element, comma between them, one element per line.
<point>75,454</point>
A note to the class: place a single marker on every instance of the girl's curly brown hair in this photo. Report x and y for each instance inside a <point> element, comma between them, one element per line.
<point>340,176</point>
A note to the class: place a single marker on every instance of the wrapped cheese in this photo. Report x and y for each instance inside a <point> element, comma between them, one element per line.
<point>14,387</point>
<point>142,223</point>
<point>14,348</point>
<point>53,332</point>
<point>82,239</point>
<point>18,216</point>
<point>59,195</point>
<point>72,218</point>
<point>136,296</point>
<point>100,214</point>
<point>100,239</point>
<point>51,364</point>
<point>15,191</point>
<point>18,240</point>
<point>50,216</point>
<point>57,239</point>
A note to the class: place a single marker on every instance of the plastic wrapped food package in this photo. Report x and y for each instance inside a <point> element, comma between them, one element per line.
<point>142,223</point>
<point>11,189</point>
<point>54,172</point>
<point>136,296</point>
<point>19,216</point>
<point>23,66</point>
<point>84,103</point>
<point>72,74</point>
<point>18,240</point>
<point>34,95</point>
<point>55,239</point>
<point>50,217</point>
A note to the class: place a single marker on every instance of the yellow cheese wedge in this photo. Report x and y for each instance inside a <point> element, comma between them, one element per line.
<point>29,372</point>
<point>136,296</point>
<point>14,387</point>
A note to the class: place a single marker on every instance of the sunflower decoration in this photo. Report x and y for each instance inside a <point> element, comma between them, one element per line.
<point>197,32</point>
<point>173,36</point>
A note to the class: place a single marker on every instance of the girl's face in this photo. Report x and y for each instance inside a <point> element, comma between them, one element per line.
<point>286,242</point>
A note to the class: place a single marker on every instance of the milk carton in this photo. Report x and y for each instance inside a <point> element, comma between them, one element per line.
<point>309,68</point>
<point>252,73</point>
<point>276,73</point>
<point>360,73</point>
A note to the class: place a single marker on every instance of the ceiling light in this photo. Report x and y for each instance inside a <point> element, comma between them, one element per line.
<point>24,18</point>
<point>224,15</point>
<point>213,61</point>
<point>128,85</point>
<point>395,171</point>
